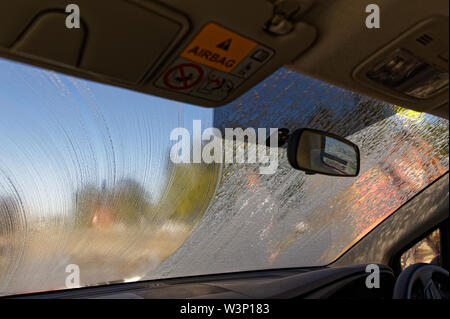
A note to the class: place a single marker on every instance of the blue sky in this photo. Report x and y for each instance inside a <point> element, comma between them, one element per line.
<point>58,133</point>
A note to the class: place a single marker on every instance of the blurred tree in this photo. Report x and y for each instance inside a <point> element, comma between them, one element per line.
<point>126,202</point>
<point>189,190</point>
<point>8,215</point>
<point>187,193</point>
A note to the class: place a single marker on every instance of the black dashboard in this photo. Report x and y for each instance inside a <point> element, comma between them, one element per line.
<point>322,283</point>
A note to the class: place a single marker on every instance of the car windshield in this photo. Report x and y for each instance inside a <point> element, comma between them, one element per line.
<point>88,181</point>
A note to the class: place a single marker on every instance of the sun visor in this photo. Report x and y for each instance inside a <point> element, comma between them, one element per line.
<point>204,53</point>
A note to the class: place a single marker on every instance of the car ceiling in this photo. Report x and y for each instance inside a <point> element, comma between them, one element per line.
<point>329,41</point>
<point>344,43</point>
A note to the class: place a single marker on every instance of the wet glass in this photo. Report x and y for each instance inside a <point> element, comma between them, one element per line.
<point>86,179</point>
<point>427,251</point>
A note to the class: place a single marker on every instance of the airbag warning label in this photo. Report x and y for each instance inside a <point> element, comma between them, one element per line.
<point>218,48</point>
<point>214,64</point>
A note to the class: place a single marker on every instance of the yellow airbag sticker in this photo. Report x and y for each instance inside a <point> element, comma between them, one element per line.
<point>218,48</point>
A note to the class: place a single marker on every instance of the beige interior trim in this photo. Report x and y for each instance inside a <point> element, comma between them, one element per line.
<point>344,42</point>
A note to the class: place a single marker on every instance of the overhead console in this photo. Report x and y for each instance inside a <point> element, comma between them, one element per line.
<point>201,52</point>
<point>402,61</point>
<point>414,67</point>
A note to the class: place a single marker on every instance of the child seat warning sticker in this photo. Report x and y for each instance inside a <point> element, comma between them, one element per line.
<point>183,76</point>
<point>214,64</point>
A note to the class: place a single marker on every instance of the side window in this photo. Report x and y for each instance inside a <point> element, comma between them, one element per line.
<point>425,251</point>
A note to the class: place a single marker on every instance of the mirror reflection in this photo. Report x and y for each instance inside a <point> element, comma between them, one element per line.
<point>318,152</point>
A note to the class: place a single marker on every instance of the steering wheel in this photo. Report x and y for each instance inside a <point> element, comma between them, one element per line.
<point>431,277</point>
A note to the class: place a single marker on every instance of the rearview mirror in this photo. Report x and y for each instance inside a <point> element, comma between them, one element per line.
<point>320,152</point>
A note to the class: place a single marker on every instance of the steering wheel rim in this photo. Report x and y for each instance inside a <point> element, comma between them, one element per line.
<point>418,272</point>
